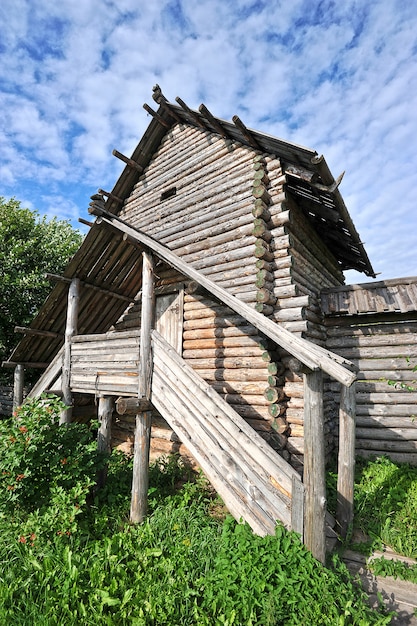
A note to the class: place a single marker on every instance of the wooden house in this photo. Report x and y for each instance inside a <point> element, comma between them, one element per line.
<point>196,298</point>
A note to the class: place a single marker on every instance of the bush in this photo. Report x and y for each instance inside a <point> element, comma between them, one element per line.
<point>69,556</point>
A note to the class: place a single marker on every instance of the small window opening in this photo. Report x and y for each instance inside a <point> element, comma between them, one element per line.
<point>169,193</point>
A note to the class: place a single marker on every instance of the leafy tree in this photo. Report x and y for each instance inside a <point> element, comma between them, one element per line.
<point>30,246</point>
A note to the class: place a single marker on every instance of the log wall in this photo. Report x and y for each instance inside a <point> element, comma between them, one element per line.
<point>225,210</point>
<point>385,349</point>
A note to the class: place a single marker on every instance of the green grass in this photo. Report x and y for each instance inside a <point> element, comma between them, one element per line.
<point>385,513</point>
<point>69,556</point>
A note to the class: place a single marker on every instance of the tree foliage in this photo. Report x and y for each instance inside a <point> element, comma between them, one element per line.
<point>30,246</point>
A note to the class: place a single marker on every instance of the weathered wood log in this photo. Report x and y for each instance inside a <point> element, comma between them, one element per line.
<point>106,292</point>
<point>132,406</point>
<point>156,116</point>
<point>240,341</point>
<point>204,184</point>
<point>260,192</point>
<point>70,331</point>
<point>18,386</point>
<point>36,331</point>
<point>111,195</point>
<point>13,364</point>
<point>276,409</point>
<point>387,434</point>
<point>130,162</point>
<point>147,321</point>
<point>314,466</point>
<point>200,174</point>
<point>260,210</point>
<point>105,414</point>
<point>222,352</point>
<point>246,133</point>
<point>346,459</point>
<point>140,482</point>
<point>273,394</point>
<point>213,121</point>
<point>231,375</point>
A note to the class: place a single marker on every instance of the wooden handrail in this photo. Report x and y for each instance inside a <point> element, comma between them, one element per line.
<point>314,357</point>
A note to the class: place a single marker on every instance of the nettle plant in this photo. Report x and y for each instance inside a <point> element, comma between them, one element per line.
<point>46,469</point>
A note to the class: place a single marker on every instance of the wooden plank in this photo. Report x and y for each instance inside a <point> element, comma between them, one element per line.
<point>346,459</point>
<point>314,466</point>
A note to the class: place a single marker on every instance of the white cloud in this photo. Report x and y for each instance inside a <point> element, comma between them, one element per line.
<point>338,77</point>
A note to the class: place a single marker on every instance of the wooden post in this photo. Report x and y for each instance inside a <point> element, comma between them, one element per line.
<point>140,481</point>
<point>19,381</point>
<point>70,330</point>
<point>105,413</point>
<point>346,459</point>
<point>314,465</point>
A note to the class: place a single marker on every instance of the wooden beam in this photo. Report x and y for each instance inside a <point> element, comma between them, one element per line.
<point>314,466</point>
<point>107,292</point>
<point>19,383</point>
<point>111,195</point>
<point>213,121</point>
<point>85,222</point>
<point>70,331</point>
<point>24,330</point>
<point>156,116</point>
<point>12,364</point>
<point>311,355</point>
<point>132,406</point>
<point>191,113</point>
<point>130,162</point>
<point>346,458</point>
<point>246,133</point>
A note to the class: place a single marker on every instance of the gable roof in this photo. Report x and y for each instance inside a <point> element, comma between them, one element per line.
<point>105,261</point>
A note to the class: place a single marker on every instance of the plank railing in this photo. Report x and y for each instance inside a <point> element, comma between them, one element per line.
<point>253,480</point>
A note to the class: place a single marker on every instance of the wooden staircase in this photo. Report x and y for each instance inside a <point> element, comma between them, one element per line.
<point>256,484</point>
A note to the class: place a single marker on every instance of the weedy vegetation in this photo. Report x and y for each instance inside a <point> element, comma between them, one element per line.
<point>69,556</point>
<point>385,513</point>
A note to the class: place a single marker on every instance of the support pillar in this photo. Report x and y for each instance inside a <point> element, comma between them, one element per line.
<point>105,414</point>
<point>314,466</point>
<point>140,480</point>
<point>70,330</point>
<point>19,383</point>
<point>346,459</point>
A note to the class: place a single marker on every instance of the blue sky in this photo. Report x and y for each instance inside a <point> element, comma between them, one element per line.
<point>337,76</point>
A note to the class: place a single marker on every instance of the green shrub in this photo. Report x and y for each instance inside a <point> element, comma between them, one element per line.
<point>386,504</point>
<point>69,556</point>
